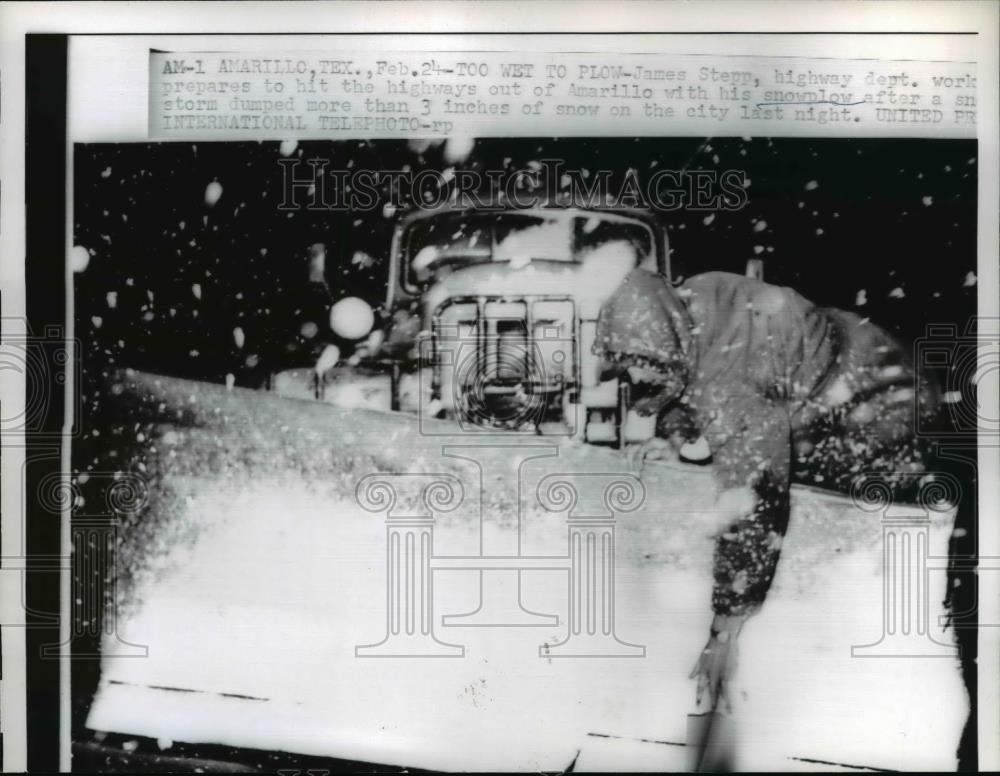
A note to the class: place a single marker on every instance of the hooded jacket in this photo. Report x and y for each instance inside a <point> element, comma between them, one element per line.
<point>773,383</point>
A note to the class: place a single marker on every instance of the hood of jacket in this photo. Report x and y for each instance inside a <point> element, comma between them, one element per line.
<point>645,328</point>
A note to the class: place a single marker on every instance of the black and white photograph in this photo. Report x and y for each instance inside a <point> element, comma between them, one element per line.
<point>611,468</point>
<point>499,387</point>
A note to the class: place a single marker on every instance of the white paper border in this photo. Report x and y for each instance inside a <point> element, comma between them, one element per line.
<point>302,17</point>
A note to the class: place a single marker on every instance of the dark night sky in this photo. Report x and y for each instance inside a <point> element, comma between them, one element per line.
<point>894,218</point>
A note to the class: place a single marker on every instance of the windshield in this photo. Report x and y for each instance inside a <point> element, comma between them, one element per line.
<point>434,247</point>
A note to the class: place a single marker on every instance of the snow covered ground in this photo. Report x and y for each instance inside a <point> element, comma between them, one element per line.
<point>257,574</point>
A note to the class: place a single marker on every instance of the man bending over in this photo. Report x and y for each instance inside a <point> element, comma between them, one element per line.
<point>780,389</point>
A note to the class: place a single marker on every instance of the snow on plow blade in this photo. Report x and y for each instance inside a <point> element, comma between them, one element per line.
<point>523,596</point>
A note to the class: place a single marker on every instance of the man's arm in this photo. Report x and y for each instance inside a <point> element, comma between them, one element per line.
<point>750,437</point>
<point>751,451</point>
<point>746,553</point>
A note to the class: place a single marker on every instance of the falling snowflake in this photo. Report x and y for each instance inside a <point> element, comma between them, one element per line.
<point>213,192</point>
<point>458,148</point>
<point>327,359</point>
<point>79,258</point>
<point>362,259</point>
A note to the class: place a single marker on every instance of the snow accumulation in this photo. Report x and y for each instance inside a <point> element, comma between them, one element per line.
<point>255,575</point>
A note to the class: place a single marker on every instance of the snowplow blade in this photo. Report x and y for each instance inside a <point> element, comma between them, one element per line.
<point>369,586</point>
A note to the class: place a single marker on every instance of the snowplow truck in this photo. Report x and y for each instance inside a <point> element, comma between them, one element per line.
<point>493,316</point>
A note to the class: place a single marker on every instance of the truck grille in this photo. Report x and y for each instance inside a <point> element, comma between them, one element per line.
<point>504,357</point>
